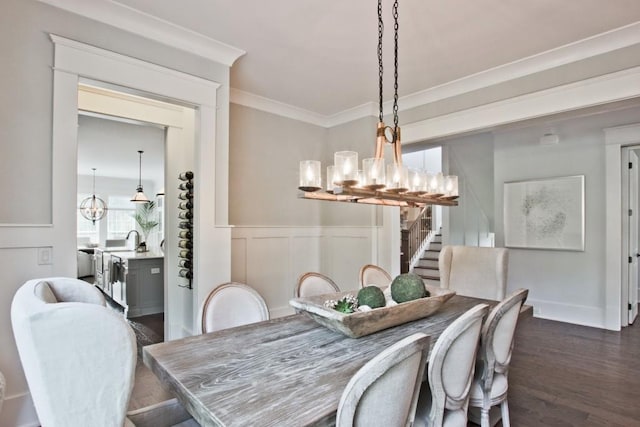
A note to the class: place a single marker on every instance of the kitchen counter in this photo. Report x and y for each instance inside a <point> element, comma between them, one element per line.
<point>137,282</point>
<point>138,255</point>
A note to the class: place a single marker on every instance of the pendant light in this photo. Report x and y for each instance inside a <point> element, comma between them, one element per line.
<point>377,183</point>
<point>140,197</point>
<point>93,208</point>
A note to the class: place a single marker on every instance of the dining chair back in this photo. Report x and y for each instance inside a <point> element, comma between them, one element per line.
<point>444,399</point>
<point>310,284</point>
<point>474,271</point>
<point>490,383</point>
<point>373,275</point>
<point>232,304</point>
<point>384,392</point>
<point>78,355</point>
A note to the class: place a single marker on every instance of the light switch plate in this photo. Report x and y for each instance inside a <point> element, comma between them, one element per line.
<point>45,255</point>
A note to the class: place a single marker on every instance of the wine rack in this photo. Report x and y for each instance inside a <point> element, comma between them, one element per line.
<point>185,232</point>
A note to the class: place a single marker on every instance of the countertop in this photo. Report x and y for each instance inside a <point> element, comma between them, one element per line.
<point>138,255</point>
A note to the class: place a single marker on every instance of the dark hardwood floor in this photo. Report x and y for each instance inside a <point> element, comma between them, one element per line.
<point>569,375</point>
<point>561,375</point>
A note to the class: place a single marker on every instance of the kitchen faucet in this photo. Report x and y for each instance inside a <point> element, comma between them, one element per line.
<point>137,240</point>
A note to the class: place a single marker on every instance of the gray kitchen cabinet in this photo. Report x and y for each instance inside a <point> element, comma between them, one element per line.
<point>138,283</point>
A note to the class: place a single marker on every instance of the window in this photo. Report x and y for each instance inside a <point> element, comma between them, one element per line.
<point>120,217</point>
<point>115,225</point>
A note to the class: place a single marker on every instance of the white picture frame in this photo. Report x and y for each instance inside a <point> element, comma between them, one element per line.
<point>545,213</point>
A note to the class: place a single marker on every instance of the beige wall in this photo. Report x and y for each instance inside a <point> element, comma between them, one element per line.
<point>264,154</point>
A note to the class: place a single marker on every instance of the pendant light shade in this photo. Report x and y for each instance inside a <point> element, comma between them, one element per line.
<point>93,208</point>
<point>139,196</point>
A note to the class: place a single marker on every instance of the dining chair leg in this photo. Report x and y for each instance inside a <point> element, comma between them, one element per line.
<point>484,417</point>
<point>504,408</point>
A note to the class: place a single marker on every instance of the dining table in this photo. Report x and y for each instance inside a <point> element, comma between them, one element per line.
<point>288,371</point>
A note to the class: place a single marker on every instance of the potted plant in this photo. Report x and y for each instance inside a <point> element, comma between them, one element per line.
<point>145,214</point>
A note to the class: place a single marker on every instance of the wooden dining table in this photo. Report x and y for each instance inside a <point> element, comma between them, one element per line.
<point>289,371</point>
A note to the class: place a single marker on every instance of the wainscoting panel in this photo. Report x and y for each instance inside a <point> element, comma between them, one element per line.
<point>268,268</point>
<point>306,252</point>
<point>270,259</point>
<point>239,260</point>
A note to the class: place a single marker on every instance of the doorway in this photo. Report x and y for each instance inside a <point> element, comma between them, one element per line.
<point>630,231</point>
<point>208,159</point>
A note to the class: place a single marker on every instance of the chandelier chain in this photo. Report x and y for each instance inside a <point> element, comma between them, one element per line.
<point>380,66</point>
<point>395,64</point>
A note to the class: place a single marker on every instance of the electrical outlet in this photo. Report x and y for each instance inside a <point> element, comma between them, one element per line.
<point>45,255</point>
<point>537,311</point>
<point>155,271</point>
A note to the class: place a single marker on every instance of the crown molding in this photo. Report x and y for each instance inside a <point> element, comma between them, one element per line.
<point>136,22</point>
<point>268,105</point>
<point>599,44</point>
<point>142,24</point>
<point>613,87</point>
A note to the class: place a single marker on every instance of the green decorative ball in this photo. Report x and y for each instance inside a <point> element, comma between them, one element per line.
<point>371,296</point>
<point>407,287</point>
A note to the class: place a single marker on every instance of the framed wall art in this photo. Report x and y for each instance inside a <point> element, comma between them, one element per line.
<point>545,214</point>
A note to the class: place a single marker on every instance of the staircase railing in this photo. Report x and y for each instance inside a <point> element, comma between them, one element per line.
<point>414,238</point>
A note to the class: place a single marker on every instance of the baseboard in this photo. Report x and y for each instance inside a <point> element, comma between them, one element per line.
<point>18,411</point>
<point>569,313</point>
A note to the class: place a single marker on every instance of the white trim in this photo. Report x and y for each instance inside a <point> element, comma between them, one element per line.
<point>599,44</point>
<point>73,61</point>
<point>369,109</point>
<point>93,62</point>
<point>568,313</point>
<point>153,28</point>
<point>275,107</point>
<point>615,139</point>
<point>150,27</point>
<point>600,90</point>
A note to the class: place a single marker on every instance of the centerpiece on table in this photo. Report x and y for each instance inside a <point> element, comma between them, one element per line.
<point>408,298</point>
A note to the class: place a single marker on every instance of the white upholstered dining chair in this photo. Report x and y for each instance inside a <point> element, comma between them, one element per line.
<point>474,271</point>
<point>79,358</point>
<point>384,392</point>
<point>373,275</point>
<point>444,398</point>
<point>490,383</point>
<point>310,284</point>
<point>232,304</point>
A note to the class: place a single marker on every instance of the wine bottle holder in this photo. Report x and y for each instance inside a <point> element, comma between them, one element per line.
<point>185,230</point>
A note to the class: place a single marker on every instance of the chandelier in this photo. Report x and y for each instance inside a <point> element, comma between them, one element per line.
<point>139,196</point>
<point>378,183</point>
<point>93,208</point>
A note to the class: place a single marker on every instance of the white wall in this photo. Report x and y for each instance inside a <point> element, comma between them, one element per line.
<point>564,285</point>
<point>471,159</point>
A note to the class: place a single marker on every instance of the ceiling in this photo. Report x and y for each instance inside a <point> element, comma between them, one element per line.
<point>321,56</point>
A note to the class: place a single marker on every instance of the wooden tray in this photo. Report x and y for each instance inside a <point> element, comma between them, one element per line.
<point>359,324</point>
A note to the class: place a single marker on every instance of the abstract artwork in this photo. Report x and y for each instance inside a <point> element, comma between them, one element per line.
<point>545,214</point>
